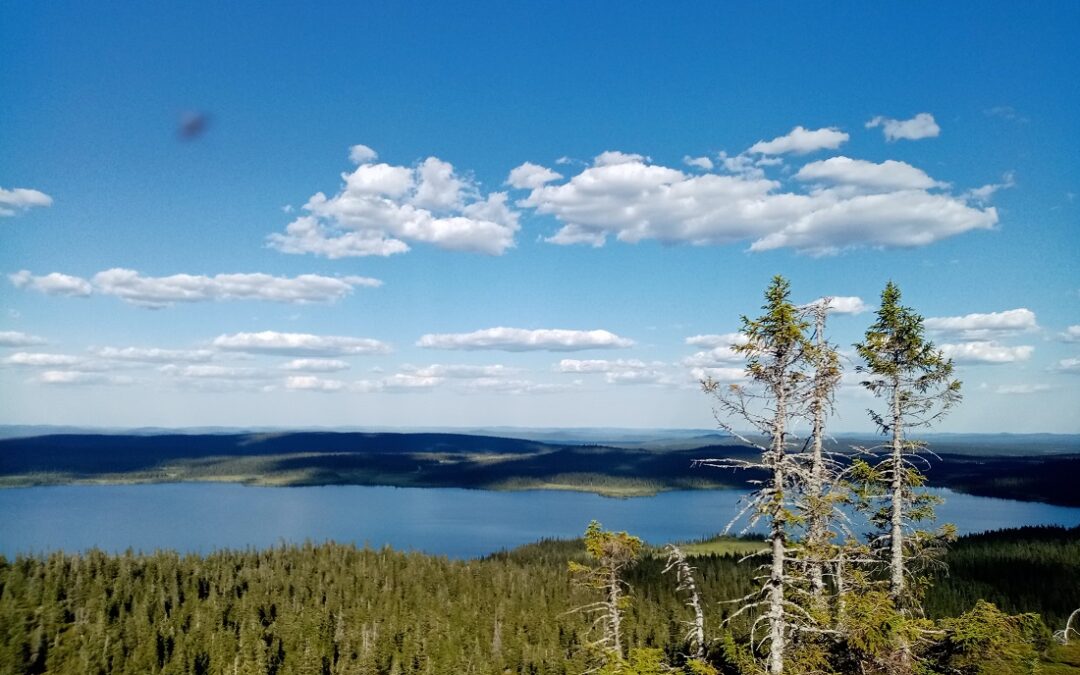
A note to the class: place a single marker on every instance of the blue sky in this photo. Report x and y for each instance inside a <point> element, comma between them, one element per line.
<point>500,214</point>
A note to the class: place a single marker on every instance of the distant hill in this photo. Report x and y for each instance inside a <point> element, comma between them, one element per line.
<point>629,468</point>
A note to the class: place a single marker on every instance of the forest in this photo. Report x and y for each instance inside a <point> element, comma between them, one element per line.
<point>338,609</point>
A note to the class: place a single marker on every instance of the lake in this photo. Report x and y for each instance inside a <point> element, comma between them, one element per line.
<point>202,517</point>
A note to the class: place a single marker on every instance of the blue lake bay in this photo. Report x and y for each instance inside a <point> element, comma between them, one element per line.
<point>202,517</point>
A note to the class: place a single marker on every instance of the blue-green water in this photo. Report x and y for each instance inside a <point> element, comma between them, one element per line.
<point>201,517</point>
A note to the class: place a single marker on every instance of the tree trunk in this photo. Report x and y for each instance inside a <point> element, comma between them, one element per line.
<point>896,540</point>
<point>777,624</point>
<point>614,616</point>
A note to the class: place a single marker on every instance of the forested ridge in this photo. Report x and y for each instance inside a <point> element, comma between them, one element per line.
<point>488,462</point>
<point>333,608</point>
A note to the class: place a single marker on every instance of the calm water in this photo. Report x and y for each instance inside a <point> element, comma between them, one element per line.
<point>458,523</point>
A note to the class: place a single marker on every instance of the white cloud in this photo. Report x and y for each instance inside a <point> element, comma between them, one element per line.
<point>746,166</point>
<point>71,377</point>
<point>714,340</point>
<point>519,340</point>
<point>147,291</point>
<point>1020,389</point>
<point>725,375</point>
<point>530,176</point>
<point>715,357</point>
<point>514,387</point>
<point>843,304</point>
<point>153,354</point>
<point>20,199</point>
<point>601,365</point>
<point>381,208</point>
<point>986,192</point>
<point>12,338</point>
<point>886,176</point>
<point>215,372</point>
<point>703,163</point>
<point>158,292</point>
<point>634,201</point>
<point>459,371</point>
<point>920,126</point>
<point>41,360</point>
<point>312,383</point>
<point>1070,365</point>
<point>398,383</point>
<point>1071,334</point>
<point>983,326</point>
<point>300,344</point>
<point>315,365</point>
<point>801,141</point>
<point>362,154</point>
<point>51,284</point>
<point>614,158</point>
<point>986,352</point>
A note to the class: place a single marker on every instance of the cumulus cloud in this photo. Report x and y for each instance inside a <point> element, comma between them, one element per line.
<point>398,383</point>
<point>530,176</point>
<point>885,176</point>
<point>312,383</point>
<point>153,354</point>
<point>214,372</point>
<point>719,374</point>
<point>1021,389</point>
<point>800,141</point>
<point>513,387</point>
<point>985,326</point>
<point>299,344</point>
<point>159,292</point>
<point>148,291</point>
<point>920,126</point>
<point>20,199</point>
<point>51,284</point>
<point>986,192</point>
<point>12,338</point>
<point>1071,334</point>
<point>459,371</point>
<point>72,377</point>
<point>520,340</point>
<point>635,200</point>
<point>986,352</point>
<point>362,154</point>
<point>715,340</point>
<point>842,304</point>
<point>1070,365</point>
<point>381,208</point>
<point>620,371</point>
<point>615,157</point>
<point>703,163</point>
<point>315,365</point>
<point>41,360</point>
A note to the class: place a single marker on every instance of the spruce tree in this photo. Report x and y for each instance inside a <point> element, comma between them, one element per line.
<point>915,381</point>
<point>776,350</point>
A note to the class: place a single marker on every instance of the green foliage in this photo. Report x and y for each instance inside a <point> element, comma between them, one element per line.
<point>987,641</point>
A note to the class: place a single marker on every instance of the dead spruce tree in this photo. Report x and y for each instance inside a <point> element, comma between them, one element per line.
<point>776,351</point>
<point>684,577</point>
<point>823,491</point>
<point>612,552</point>
<point>916,383</point>
<point>1062,635</point>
